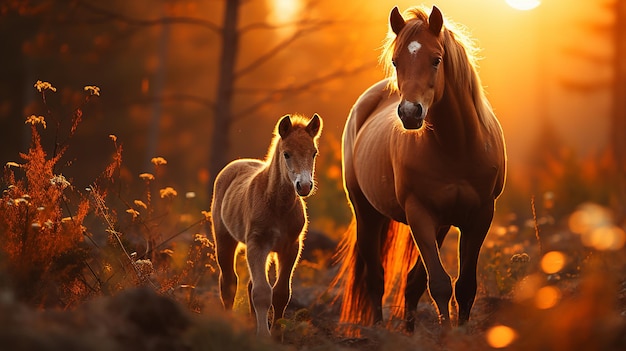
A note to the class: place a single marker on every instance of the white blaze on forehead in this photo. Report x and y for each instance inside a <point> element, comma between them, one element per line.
<point>414,46</point>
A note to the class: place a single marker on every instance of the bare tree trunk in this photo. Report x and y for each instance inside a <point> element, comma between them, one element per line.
<point>618,122</point>
<point>223,102</point>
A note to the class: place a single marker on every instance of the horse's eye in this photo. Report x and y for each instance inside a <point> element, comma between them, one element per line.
<point>286,155</point>
<point>436,61</point>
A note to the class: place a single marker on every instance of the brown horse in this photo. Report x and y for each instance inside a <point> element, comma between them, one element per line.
<point>259,203</point>
<point>422,148</point>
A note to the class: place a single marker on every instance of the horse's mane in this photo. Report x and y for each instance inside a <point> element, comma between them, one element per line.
<point>460,59</point>
<point>297,122</point>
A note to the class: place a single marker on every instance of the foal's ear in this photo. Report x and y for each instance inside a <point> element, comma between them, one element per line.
<point>284,126</point>
<point>315,125</point>
<point>396,20</point>
<point>435,21</point>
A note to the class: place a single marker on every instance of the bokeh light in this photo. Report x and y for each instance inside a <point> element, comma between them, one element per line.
<point>500,336</point>
<point>553,262</point>
<point>547,297</point>
<point>589,216</point>
<point>605,238</point>
<point>594,224</point>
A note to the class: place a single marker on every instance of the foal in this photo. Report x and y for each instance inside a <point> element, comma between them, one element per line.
<point>259,203</point>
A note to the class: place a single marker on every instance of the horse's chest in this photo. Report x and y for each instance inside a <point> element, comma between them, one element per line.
<point>282,229</point>
<point>456,198</point>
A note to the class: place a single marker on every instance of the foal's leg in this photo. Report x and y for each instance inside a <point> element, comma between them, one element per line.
<point>225,248</point>
<point>416,284</point>
<point>470,241</point>
<point>281,293</point>
<point>424,232</point>
<point>260,289</point>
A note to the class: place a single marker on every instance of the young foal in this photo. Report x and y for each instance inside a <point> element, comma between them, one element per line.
<point>259,203</point>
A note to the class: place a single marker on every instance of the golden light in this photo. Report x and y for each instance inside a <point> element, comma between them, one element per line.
<point>552,262</point>
<point>523,5</point>
<point>500,336</point>
<point>547,297</point>
<point>284,11</point>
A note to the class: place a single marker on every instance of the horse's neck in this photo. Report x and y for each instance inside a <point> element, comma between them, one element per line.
<point>279,189</point>
<point>455,122</point>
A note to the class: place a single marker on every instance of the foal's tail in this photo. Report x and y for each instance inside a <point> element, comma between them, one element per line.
<point>398,256</point>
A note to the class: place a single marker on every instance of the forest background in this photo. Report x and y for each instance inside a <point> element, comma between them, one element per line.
<point>178,88</point>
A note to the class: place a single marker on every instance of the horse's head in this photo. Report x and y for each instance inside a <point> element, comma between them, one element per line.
<point>418,60</point>
<point>298,148</point>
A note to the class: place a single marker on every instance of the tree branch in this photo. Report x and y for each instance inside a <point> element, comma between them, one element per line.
<point>269,26</point>
<point>279,47</point>
<point>592,57</point>
<point>110,15</point>
<point>584,86</point>
<point>297,89</point>
<point>181,97</point>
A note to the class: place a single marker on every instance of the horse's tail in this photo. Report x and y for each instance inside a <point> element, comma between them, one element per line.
<point>398,255</point>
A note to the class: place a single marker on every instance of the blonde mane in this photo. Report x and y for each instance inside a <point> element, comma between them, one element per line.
<point>460,59</point>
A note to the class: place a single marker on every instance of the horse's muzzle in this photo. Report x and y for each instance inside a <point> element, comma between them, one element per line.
<point>411,114</point>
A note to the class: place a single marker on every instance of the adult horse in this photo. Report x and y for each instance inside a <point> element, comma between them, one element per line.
<point>259,203</point>
<point>422,148</point>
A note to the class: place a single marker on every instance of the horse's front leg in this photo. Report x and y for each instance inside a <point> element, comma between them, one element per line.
<point>416,284</point>
<point>470,242</point>
<point>260,291</point>
<point>424,230</point>
<point>281,293</point>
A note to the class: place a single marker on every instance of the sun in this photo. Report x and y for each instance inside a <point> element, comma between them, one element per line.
<point>283,11</point>
<point>523,5</point>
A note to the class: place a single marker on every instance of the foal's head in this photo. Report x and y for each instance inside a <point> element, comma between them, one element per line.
<point>417,55</point>
<point>297,149</point>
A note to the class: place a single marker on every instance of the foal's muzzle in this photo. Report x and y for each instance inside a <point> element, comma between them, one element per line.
<point>304,188</point>
<point>411,114</point>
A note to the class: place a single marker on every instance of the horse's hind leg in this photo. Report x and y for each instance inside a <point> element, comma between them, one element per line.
<point>371,226</point>
<point>260,290</point>
<point>470,242</point>
<point>416,284</point>
<point>281,293</point>
<point>225,248</point>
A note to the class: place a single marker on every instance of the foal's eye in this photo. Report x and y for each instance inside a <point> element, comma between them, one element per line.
<point>286,155</point>
<point>436,61</point>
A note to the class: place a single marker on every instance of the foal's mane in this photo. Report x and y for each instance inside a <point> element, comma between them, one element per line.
<point>297,122</point>
<point>460,59</point>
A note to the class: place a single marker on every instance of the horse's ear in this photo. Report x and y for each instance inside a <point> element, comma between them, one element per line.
<point>396,20</point>
<point>435,21</point>
<point>315,125</point>
<point>284,126</point>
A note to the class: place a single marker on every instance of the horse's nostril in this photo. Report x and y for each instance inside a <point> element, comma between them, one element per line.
<point>399,110</point>
<point>298,186</point>
<point>420,110</point>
